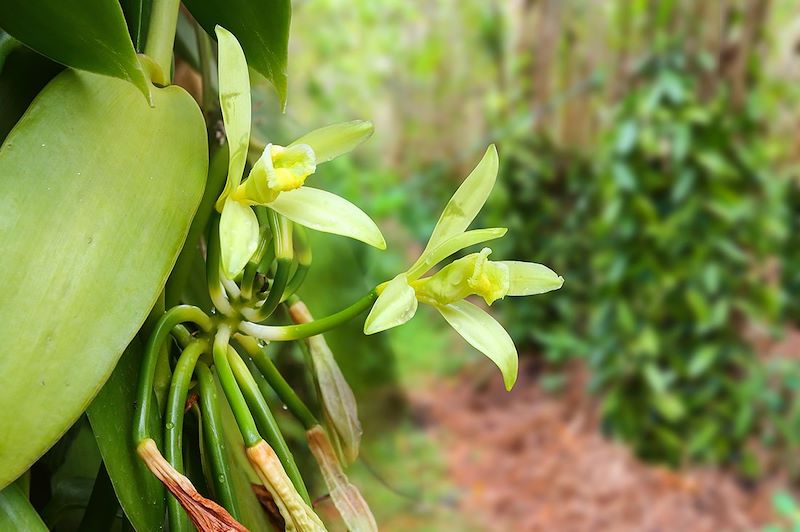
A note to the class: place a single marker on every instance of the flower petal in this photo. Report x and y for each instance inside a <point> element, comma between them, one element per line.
<point>332,141</point>
<point>451,245</point>
<point>328,213</point>
<point>466,202</point>
<point>396,305</point>
<point>484,334</point>
<point>528,278</point>
<point>234,97</point>
<point>238,237</point>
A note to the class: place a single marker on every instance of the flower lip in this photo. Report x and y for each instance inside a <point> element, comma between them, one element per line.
<point>288,167</point>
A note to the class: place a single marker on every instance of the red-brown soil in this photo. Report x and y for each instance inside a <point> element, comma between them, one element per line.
<point>530,460</point>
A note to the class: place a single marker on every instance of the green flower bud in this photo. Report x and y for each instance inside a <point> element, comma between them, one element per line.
<point>474,274</point>
<point>279,169</point>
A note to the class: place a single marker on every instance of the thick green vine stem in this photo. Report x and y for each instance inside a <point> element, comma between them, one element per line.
<point>161,33</point>
<point>266,422</point>
<point>173,426</point>
<point>282,333</point>
<point>214,439</point>
<point>264,366</point>
<point>144,394</point>
<point>244,419</point>
<point>217,173</point>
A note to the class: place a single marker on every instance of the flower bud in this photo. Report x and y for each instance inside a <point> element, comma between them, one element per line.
<point>474,274</point>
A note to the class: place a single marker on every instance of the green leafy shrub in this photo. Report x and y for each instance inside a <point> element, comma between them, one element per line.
<point>687,217</point>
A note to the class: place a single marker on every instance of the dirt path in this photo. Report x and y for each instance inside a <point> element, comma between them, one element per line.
<point>529,461</point>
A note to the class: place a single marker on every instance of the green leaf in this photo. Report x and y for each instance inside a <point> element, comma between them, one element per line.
<point>484,334</point>
<point>17,513</point>
<point>234,97</point>
<point>433,256</point>
<point>329,213</point>
<point>87,34</point>
<point>23,73</point>
<point>137,15</point>
<point>140,493</point>
<point>238,237</point>
<point>332,141</point>
<point>529,278</point>
<point>97,191</point>
<point>261,27</point>
<point>463,207</point>
<point>396,305</point>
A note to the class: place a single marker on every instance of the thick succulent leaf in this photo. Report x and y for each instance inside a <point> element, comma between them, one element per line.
<point>261,27</point>
<point>396,305</point>
<point>234,97</point>
<point>484,334</point>
<point>432,256</point>
<point>139,492</point>
<point>23,73</point>
<point>97,191</point>
<point>238,236</point>
<point>529,278</point>
<point>17,513</point>
<point>463,207</point>
<point>332,141</point>
<point>328,213</point>
<point>87,35</point>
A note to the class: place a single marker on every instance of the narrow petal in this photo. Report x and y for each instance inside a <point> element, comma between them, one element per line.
<point>467,201</point>
<point>453,244</point>
<point>396,305</point>
<point>238,237</point>
<point>328,213</point>
<point>332,141</point>
<point>484,334</point>
<point>234,97</point>
<point>528,278</point>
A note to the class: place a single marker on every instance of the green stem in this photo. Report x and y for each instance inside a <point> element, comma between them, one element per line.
<point>210,98</point>
<point>266,421</point>
<point>266,368</point>
<point>244,419</point>
<point>296,332</point>
<point>217,173</point>
<point>161,33</point>
<point>215,440</point>
<point>279,283</point>
<point>297,280</point>
<point>144,393</point>
<point>176,401</point>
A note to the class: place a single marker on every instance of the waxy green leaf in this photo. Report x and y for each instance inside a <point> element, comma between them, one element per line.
<point>97,191</point>
<point>261,27</point>
<point>84,34</point>
<point>140,493</point>
<point>17,513</point>
<point>484,334</point>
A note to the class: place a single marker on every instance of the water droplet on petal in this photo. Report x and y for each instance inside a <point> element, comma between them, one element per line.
<point>170,425</point>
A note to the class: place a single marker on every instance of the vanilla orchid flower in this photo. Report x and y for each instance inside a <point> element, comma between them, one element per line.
<point>277,179</point>
<point>474,274</point>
